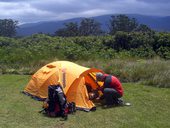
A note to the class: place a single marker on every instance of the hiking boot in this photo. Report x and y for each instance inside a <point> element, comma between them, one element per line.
<point>119,102</point>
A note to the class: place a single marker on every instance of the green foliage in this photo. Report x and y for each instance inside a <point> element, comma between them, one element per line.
<point>122,23</point>
<point>143,52</point>
<point>143,28</point>
<point>8,27</point>
<point>72,51</point>
<point>125,24</point>
<point>122,41</point>
<point>70,30</point>
<point>89,27</point>
<point>162,45</point>
<point>139,39</point>
<point>121,45</point>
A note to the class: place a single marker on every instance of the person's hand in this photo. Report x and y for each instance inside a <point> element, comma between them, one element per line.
<point>91,95</point>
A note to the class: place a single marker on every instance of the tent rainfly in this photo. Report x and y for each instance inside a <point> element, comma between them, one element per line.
<point>72,77</point>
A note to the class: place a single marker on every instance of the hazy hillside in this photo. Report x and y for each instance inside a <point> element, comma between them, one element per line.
<point>157,23</point>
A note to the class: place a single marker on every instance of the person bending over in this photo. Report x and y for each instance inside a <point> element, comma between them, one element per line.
<point>112,89</point>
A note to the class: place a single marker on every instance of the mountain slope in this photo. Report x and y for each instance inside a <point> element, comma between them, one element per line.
<point>157,23</point>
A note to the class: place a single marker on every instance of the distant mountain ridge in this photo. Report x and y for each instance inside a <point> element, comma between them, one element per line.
<point>158,23</point>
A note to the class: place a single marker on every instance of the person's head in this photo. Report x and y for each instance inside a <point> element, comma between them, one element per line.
<point>99,76</point>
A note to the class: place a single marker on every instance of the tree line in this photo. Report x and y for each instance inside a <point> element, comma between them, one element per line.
<point>86,27</point>
<point>91,27</point>
<point>8,27</point>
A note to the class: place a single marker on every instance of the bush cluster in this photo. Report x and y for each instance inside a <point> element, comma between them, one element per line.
<point>37,47</point>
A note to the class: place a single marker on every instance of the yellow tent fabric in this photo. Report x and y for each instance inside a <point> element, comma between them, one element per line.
<point>72,77</point>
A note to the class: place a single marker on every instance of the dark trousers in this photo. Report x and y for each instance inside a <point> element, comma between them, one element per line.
<point>111,96</point>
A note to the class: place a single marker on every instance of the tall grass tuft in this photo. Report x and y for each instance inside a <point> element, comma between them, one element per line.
<point>23,69</point>
<point>154,72</point>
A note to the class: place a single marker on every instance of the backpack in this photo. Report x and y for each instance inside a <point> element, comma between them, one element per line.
<point>56,104</point>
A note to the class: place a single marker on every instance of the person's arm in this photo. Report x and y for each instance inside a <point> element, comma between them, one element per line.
<point>100,89</point>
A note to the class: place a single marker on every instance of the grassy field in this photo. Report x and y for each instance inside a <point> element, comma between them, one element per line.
<point>150,109</point>
<point>153,72</point>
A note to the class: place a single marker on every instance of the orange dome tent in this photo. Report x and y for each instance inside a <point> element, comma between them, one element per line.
<point>70,76</point>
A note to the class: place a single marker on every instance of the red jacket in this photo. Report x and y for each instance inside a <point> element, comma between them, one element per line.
<point>113,82</point>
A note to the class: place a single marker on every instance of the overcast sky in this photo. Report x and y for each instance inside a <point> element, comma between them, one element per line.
<point>42,10</point>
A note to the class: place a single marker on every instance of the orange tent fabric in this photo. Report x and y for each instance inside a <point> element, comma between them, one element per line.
<point>72,77</point>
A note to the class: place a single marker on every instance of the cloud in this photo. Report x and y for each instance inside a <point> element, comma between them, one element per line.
<point>38,10</point>
<point>14,1</point>
<point>155,1</point>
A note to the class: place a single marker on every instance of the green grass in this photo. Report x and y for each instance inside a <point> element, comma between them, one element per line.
<point>150,109</point>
